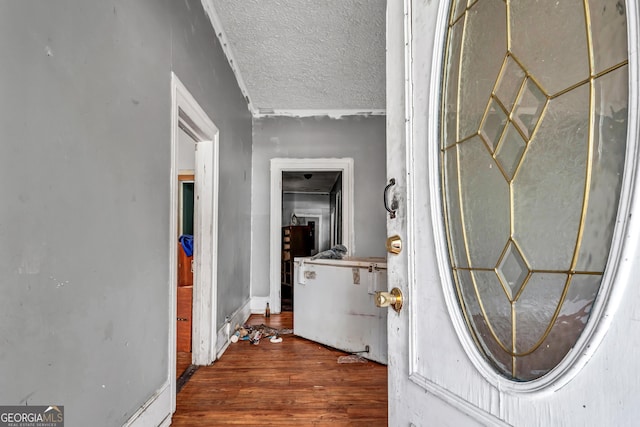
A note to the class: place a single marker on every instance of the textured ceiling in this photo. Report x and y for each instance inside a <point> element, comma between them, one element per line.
<point>297,55</point>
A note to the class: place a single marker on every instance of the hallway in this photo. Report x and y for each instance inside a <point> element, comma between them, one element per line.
<point>294,383</point>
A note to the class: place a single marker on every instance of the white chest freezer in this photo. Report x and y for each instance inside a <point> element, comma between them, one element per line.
<point>334,305</point>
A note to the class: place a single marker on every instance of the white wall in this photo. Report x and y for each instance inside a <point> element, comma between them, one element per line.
<point>359,137</point>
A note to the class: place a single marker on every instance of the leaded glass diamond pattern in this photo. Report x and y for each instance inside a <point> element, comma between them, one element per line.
<point>510,151</point>
<point>529,108</point>
<point>511,116</point>
<point>511,78</point>
<point>533,98</point>
<point>493,125</point>
<point>512,270</point>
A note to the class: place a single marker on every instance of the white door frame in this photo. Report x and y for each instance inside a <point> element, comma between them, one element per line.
<point>279,165</point>
<point>188,115</point>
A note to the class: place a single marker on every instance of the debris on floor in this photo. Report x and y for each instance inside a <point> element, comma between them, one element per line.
<point>254,333</point>
<point>352,358</point>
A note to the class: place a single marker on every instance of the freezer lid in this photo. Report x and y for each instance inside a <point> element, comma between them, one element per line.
<point>348,262</point>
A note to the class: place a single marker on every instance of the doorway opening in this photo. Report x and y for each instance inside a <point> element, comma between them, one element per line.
<point>311,220</point>
<point>293,190</point>
<point>186,193</point>
<point>194,210</point>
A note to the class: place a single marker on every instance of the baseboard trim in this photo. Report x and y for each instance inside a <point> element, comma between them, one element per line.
<point>239,317</point>
<point>155,412</point>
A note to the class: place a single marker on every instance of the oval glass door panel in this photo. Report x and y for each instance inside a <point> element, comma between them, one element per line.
<point>533,141</point>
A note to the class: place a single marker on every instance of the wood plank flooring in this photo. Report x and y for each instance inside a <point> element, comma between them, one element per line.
<point>293,383</point>
<point>183,361</point>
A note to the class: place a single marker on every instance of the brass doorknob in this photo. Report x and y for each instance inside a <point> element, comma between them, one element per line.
<point>391,299</point>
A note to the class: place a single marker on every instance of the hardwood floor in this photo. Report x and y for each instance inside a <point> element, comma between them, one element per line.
<point>293,383</point>
<point>183,361</point>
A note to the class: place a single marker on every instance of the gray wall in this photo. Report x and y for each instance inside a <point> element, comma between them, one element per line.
<point>84,220</point>
<point>362,138</point>
<point>201,65</point>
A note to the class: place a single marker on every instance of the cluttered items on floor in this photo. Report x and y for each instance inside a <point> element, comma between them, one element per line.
<point>352,358</point>
<point>254,333</point>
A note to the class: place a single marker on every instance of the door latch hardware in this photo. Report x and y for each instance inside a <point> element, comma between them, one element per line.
<point>394,244</point>
<point>391,299</point>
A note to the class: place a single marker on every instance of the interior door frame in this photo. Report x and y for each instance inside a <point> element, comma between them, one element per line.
<point>187,114</point>
<point>279,165</point>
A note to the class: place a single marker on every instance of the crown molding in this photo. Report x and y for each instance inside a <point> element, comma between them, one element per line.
<point>216,23</point>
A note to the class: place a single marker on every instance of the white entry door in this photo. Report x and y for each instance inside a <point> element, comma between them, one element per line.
<point>515,157</point>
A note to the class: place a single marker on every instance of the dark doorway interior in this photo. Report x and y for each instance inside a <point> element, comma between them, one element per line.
<point>311,221</point>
